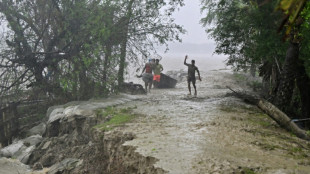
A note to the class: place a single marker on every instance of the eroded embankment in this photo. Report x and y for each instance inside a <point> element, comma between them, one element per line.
<point>96,151</point>
<point>71,143</point>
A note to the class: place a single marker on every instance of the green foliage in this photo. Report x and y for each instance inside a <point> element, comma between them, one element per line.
<point>308,132</point>
<point>91,35</point>
<point>292,9</point>
<point>117,117</point>
<point>32,113</point>
<point>245,40</point>
<point>305,35</point>
<point>246,31</point>
<point>295,150</point>
<point>305,14</point>
<point>239,77</point>
<point>255,84</point>
<point>248,171</point>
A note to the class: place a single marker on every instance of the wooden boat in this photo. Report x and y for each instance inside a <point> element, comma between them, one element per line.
<point>165,82</point>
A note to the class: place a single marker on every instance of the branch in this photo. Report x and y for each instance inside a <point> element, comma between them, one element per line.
<point>15,82</point>
<point>278,66</point>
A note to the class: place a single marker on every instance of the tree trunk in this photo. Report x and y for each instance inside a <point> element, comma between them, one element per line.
<point>282,119</point>
<point>287,79</point>
<point>122,62</point>
<point>38,75</point>
<point>124,43</point>
<point>253,69</point>
<point>276,114</point>
<point>85,88</point>
<point>108,53</point>
<point>303,84</point>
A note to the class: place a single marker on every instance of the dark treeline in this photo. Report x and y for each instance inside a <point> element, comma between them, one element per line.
<point>78,49</point>
<point>271,36</point>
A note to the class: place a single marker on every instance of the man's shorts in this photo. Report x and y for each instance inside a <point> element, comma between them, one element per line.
<point>191,79</point>
<point>156,78</point>
<point>147,77</point>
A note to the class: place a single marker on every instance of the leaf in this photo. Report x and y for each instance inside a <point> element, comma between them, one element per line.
<point>285,4</point>
<point>292,8</point>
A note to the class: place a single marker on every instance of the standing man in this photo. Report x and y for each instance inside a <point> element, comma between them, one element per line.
<point>158,68</point>
<point>147,77</point>
<point>191,75</point>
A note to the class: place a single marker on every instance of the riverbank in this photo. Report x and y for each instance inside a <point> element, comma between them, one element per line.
<point>169,132</point>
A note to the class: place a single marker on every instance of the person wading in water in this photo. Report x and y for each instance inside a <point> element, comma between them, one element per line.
<point>191,75</point>
<point>158,68</point>
<point>147,77</point>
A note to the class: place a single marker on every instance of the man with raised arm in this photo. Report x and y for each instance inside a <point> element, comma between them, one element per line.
<point>191,75</point>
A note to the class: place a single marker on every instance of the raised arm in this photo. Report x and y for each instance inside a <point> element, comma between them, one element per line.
<point>185,61</point>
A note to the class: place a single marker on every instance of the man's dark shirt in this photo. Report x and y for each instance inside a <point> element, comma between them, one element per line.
<point>191,70</point>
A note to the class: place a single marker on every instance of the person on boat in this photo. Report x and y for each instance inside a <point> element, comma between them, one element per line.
<point>191,78</point>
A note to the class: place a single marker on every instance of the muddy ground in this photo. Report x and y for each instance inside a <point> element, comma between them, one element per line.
<point>213,133</point>
<point>174,133</point>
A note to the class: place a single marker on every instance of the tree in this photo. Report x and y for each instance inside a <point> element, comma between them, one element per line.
<point>44,36</point>
<point>249,41</point>
<point>145,24</point>
<point>78,49</point>
<point>295,68</point>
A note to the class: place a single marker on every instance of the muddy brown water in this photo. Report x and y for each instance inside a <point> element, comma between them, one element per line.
<point>213,133</point>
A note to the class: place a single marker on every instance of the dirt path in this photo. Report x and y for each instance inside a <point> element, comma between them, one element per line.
<point>213,133</point>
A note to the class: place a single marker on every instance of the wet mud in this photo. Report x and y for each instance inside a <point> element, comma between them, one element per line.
<point>213,133</point>
<point>174,133</point>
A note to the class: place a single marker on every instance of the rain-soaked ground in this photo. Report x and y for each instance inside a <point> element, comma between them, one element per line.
<point>213,133</point>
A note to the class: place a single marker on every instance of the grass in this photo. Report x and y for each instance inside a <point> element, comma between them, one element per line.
<point>106,112</point>
<point>295,149</point>
<point>248,171</point>
<point>254,84</point>
<point>308,132</point>
<point>255,117</point>
<point>114,117</point>
<point>298,153</point>
<point>262,122</point>
<point>228,109</point>
<point>261,119</point>
<point>269,146</point>
<point>239,77</point>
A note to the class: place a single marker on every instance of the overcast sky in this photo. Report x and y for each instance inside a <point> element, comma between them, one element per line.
<point>189,16</point>
<point>196,40</point>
